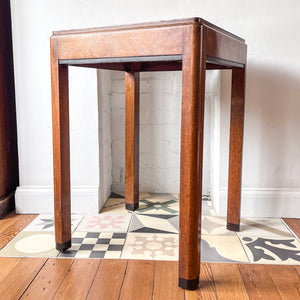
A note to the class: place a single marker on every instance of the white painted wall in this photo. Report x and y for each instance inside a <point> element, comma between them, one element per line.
<point>271,152</point>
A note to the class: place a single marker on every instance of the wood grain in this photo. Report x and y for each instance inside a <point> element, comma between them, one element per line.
<point>228,281</point>
<point>206,289</point>
<point>294,225</point>
<point>110,272</point>
<point>47,282</point>
<point>132,152</point>
<point>19,277</point>
<point>236,148</point>
<point>6,265</point>
<point>138,282</point>
<point>288,288</point>
<point>125,43</point>
<point>12,225</point>
<point>79,279</point>
<point>190,165</point>
<point>258,282</point>
<point>224,47</point>
<point>61,149</point>
<point>27,278</point>
<point>166,281</point>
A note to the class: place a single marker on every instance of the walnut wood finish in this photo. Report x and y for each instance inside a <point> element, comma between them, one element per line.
<point>235,148</point>
<point>192,45</point>
<point>132,124</point>
<point>9,174</point>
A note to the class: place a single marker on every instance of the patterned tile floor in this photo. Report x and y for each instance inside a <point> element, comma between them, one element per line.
<point>151,232</point>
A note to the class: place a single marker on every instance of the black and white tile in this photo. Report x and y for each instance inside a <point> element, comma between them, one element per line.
<point>95,245</point>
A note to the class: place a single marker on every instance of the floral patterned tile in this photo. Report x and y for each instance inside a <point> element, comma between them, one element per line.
<point>151,246</point>
<point>275,250</point>
<point>222,249</point>
<point>46,223</point>
<point>154,223</point>
<point>105,223</point>
<point>31,244</point>
<point>212,225</point>
<point>266,227</point>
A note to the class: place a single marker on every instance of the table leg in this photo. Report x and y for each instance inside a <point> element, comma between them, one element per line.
<point>61,151</point>
<point>235,149</point>
<point>132,120</point>
<point>193,91</point>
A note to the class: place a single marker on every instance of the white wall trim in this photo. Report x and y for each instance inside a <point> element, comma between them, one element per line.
<point>30,200</point>
<point>274,202</point>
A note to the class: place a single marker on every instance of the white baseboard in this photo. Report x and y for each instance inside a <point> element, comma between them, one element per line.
<point>40,200</point>
<point>283,203</point>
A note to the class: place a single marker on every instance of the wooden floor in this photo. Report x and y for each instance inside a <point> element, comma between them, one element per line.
<point>40,278</point>
<point>54,278</point>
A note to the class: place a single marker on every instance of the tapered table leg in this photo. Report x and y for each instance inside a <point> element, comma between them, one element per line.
<point>193,91</point>
<point>235,149</point>
<point>132,120</point>
<point>61,151</point>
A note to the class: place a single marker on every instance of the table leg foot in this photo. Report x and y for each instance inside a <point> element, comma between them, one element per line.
<point>62,247</point>
<point>131,207</point>
<point>233,227</point>
<point>188,284</point>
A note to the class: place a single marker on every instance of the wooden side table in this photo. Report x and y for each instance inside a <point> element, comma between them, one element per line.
<point>191,45</point>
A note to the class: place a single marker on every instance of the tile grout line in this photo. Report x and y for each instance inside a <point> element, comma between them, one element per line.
<point>127,235</point>
<point>244,248</point>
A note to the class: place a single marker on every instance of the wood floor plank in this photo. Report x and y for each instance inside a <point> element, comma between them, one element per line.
<point>46,283</point>
<point>228,281</point>
<point>16,224</point>
<point>166,281</point>
<point>110,271</point>
<point>258,282</point>
<point>79,279</point>
<point>138,281</point>
<point>20,276</point>
<point>286,279</point>
<point>294,224</point>
<point>297,269</point>
<point>6,221</point>
<point>7,264</point>
<point>206,289</point>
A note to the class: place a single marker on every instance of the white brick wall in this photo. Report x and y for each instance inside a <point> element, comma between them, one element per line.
<point>105,158</point>
<point>160,120</point>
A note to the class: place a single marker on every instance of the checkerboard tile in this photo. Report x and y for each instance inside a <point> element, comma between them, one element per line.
<point>95,245</point>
